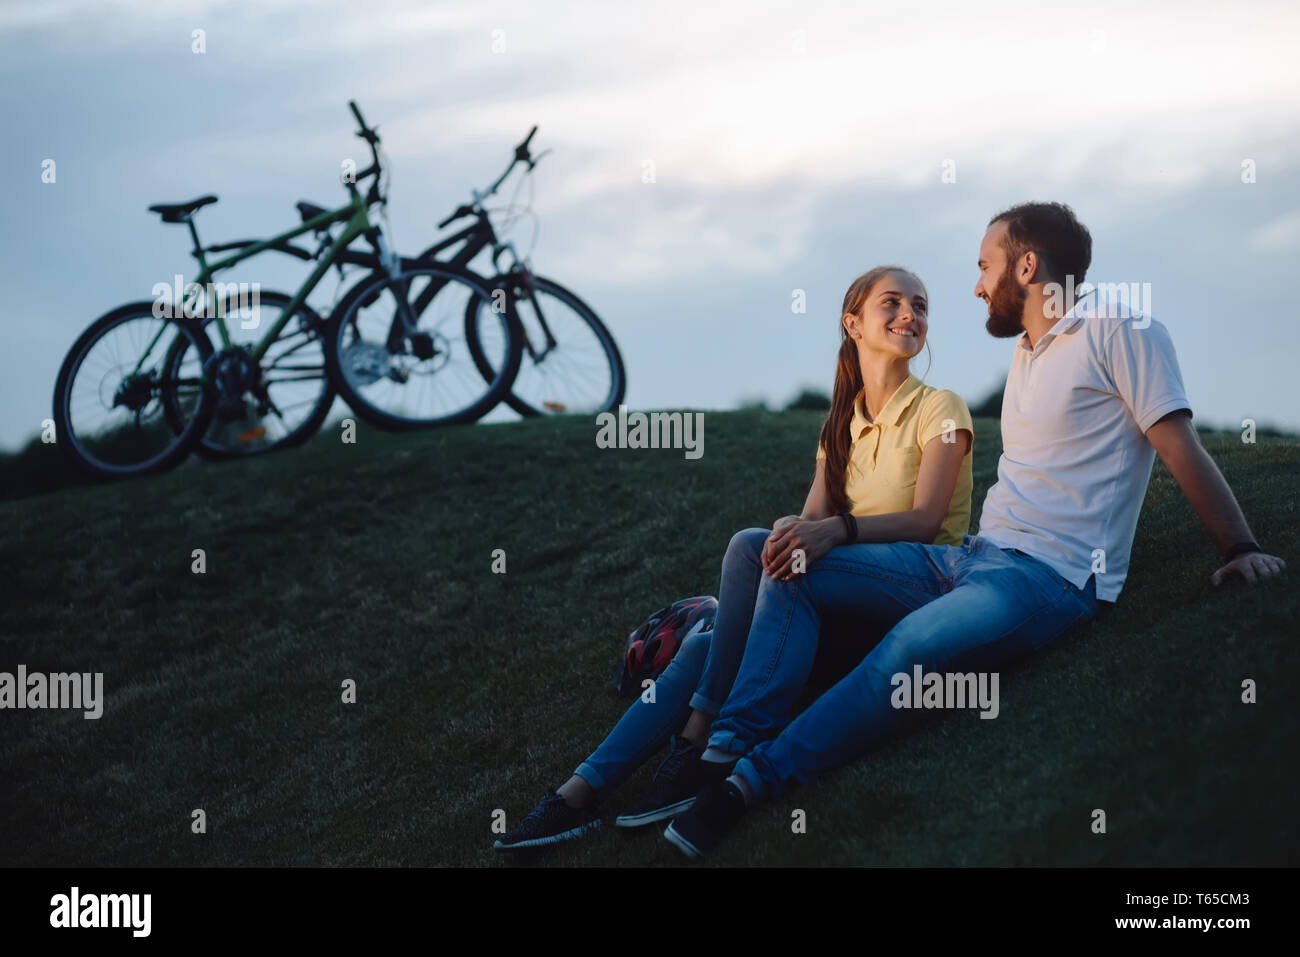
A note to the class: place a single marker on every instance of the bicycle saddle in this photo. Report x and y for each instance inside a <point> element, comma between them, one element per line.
<point>180,212</point>
<point>310,210</point>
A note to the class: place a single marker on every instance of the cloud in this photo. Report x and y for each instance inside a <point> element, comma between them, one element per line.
<point>1280,233</point>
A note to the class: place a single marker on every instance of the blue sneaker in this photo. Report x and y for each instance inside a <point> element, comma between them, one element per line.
<point>551,822</point>
<point>698,830</point>
<point>678,779</point>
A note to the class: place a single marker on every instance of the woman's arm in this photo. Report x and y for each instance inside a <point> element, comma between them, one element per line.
<point>935,482</point>
<point>818,503</point>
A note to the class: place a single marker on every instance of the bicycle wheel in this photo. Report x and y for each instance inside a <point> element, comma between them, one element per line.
<point>115,387</point>
<point>283,401</point>
<point>398,378</point>
<point>581,371</point>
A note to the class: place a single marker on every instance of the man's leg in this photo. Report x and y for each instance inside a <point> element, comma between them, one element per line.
<point>878,584</point>
<point>1002,605</point>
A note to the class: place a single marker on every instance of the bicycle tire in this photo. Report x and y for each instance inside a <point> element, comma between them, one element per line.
<point>366,293</point>
<point>185,437</point>
<point>618,375</point>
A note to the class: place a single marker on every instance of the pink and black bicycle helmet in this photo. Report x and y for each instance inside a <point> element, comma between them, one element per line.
<point>651,647</point>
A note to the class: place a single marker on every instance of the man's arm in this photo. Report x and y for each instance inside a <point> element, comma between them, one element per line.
<point>1179,447</point>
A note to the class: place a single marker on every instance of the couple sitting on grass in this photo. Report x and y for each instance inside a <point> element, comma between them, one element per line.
<point>1093,395</point>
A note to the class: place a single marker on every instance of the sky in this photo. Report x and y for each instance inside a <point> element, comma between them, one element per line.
<point>793,146</point>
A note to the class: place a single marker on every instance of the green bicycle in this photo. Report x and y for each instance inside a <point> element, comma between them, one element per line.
<point>570,364</point>
<point>145,384</point>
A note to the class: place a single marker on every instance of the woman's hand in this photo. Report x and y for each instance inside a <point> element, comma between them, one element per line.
<point>779,524</point>
<point>816,538</point>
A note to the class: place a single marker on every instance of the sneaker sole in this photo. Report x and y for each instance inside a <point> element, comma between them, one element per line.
<point>568,835</point>
<point>686,847</point>
<point>652,817</point>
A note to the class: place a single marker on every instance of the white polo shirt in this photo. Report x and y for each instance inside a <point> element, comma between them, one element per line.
<point>1075,459</point>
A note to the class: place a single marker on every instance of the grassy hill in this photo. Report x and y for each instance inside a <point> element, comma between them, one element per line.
<point>477,691</point>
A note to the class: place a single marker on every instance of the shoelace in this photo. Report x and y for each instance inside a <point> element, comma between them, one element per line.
<point>673,762</point>
<point>544,805</point>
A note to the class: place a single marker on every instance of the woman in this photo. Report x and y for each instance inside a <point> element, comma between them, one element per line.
<point>893,464</point>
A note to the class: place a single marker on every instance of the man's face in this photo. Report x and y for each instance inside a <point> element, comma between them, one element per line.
<point>998,287</point>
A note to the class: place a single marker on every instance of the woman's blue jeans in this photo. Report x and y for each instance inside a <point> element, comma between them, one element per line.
<point>702,672</point>
<point>699,676</point>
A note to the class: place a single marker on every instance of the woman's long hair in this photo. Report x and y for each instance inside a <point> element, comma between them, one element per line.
<point>835,438</point>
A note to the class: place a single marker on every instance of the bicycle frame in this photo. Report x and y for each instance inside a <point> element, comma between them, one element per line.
<point>357,223</point>
<point>478,236</point>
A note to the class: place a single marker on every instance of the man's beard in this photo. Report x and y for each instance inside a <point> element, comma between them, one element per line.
<point>1006,307</point>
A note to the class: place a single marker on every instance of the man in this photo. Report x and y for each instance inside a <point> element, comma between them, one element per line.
<point>1093,395</point>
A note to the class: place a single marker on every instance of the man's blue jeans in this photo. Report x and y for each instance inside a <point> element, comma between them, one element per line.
<point>699,676</point>
<point>961,608</point>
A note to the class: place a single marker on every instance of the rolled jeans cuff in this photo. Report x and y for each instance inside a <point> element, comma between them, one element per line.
<point>745,769</point>
<point>729,742</point>
<point>590,775</point>
<point>705,705</point>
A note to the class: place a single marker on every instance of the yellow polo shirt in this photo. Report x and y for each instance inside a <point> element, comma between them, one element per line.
<point>885,455</point>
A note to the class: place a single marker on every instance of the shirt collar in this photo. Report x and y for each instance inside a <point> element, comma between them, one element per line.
<point>1083,307</point>
<point>893,411</point>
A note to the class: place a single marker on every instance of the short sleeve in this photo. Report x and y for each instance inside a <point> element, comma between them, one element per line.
<point>1143,367</point>
<point>943,411</point>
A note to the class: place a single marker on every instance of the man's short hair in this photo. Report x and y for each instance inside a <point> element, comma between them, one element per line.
<point>1053,233</point>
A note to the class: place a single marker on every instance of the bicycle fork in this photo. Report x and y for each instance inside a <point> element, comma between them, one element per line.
<point>403,326</point>
<point>515,280</point>
<point>524,279</point>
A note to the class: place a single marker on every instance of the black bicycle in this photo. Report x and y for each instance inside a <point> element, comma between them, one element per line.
<point>570,363</point>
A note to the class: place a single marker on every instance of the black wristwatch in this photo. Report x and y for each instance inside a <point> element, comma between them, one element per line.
<point>850,527</point>
<point>1241,548</point>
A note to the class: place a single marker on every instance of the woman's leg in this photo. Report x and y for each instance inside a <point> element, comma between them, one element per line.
<point>646,726</point>
<point>659,711</point>
<point>570,811</point>
<point>742,574</point>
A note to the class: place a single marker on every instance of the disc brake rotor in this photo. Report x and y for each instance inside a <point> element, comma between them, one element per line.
<point>365,362</point>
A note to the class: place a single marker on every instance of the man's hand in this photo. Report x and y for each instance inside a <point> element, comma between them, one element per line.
<point>816,538</point>
<point>1252,566</point>
<point>1178,446</point>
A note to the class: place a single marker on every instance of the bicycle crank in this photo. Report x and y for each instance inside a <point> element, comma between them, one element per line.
<point>233,373</point>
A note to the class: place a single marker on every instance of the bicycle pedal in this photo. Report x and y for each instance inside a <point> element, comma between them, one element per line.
<point>252,434</point>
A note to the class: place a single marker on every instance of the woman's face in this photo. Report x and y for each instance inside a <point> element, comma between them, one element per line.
<point>893,318</point>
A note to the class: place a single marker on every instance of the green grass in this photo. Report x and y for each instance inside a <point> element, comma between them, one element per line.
<point>478,691</point>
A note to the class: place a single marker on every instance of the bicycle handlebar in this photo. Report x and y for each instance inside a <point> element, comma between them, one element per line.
<point>368,133</point>
<point>521,156</point>
<point>371,136</point>
<point>521,151</point>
